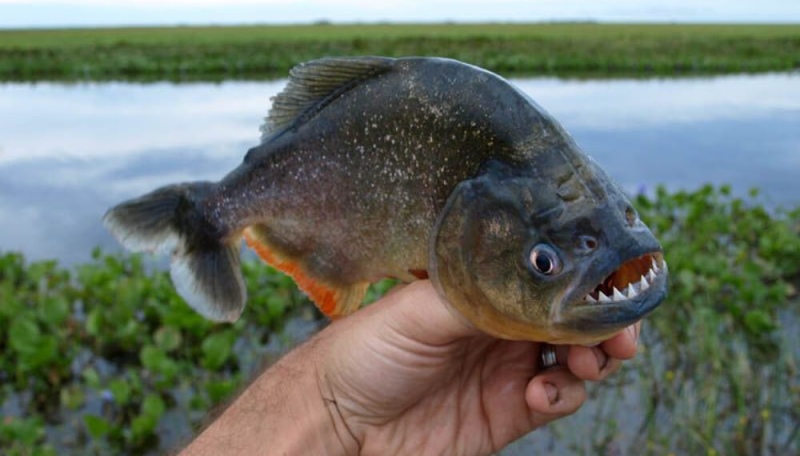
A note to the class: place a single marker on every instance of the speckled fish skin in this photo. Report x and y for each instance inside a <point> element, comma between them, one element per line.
<point>364,179</point>
<point>375,167</point>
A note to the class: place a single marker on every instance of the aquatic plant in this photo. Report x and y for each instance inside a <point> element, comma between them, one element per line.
<point>111,344</point>
<point>717,371</point>
<point>107,359</point>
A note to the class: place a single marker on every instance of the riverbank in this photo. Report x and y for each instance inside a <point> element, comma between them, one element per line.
<point>263,52</point>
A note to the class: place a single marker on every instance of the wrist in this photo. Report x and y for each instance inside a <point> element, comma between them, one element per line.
<point>285,411</point>
<point>324,430</point>
<point>333,421</point>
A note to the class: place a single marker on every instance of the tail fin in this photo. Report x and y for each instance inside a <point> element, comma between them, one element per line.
<point>205,268</point>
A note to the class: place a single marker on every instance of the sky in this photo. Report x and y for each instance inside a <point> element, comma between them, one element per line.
<point>88,13</point>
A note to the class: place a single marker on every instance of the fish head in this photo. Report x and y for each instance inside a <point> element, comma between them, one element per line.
<point>552,253</point>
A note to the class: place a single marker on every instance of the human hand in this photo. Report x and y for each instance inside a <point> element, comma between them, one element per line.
<point>407,375</point>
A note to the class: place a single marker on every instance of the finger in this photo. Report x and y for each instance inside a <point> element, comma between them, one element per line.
<point>624,345</point>
<point>553,394</point>
<point>395,289</point>
<point>591,363</point>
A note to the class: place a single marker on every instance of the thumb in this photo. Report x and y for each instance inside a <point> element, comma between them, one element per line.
<point>419,313</point>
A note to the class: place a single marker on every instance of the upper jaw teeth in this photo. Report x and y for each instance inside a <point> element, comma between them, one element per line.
<point>632,290</point>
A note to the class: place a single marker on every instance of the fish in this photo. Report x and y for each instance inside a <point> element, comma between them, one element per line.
<point>412,168</point>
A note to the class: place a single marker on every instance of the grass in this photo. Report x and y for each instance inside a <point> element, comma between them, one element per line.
<point>106,359</point>
<point>257,52</point>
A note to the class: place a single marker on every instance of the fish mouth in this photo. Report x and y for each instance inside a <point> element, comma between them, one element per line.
<point>626,295</point>
<point>630,280</point>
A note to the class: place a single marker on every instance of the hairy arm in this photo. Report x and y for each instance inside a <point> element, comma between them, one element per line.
<point>282,412</point>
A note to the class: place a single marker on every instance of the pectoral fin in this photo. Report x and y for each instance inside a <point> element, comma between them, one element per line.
<point>332,300</point>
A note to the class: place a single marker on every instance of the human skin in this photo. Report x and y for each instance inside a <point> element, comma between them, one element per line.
<point>407,375</point>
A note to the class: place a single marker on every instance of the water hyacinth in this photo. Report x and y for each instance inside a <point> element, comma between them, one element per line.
<point>717,370</point>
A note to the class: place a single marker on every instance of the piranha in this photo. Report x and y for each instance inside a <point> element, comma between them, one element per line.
<point>413,168</point>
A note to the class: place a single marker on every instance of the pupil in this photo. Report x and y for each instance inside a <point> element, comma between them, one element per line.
<point>543,263</point>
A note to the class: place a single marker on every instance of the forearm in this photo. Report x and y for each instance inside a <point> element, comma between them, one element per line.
<point>282,412</point>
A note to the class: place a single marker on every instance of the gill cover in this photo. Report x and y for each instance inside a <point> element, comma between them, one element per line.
<point>478,251</point>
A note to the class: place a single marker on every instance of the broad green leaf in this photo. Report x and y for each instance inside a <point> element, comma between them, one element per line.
<point>153,406</point>
<point>96,426</point>
<point>142,426</point>
<point>24,335</point>
<point>218,391</point>
<point>758,322</point>
<point>91,377</point>
<point>152,357</point>
<point>54,310</point>
<point>22,431</point>
<point>120,390</point>
<point>72,397</point>
<point>217,348</point>
<point>94,322</point>
<point>168,338</point>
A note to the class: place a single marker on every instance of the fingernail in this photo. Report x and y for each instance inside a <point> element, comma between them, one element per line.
<point>602,359</point>
<point>552,392</point>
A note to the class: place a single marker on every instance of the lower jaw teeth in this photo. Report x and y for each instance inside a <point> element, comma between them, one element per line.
<point>633,289</point>
<point>618,296</point>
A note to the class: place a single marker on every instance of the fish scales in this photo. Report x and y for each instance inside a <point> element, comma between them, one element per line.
<point>337,177</point>
<point>374,167</point>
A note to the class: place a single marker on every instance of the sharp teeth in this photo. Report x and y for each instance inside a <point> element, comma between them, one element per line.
<point>631,291</point>
<point>589,298</point>
<point>602,297</point>
<point>643,284</point>
<point>651,275</point>
<point>617,296</point>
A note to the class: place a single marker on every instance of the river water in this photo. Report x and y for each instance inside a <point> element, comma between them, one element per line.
<point>68,152</point>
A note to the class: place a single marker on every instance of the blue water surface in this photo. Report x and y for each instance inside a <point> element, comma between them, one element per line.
<point>68,152</point>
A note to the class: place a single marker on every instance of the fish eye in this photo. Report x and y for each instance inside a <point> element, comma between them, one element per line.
<point>544,259</point>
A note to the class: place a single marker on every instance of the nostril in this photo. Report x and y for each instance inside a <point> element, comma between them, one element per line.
<point>587,243</point>
<point>630,216</point>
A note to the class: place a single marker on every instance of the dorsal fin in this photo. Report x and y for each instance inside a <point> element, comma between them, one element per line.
<point>316,83</point>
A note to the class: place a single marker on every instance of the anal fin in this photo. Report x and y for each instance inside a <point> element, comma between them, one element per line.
<point>333,301</point>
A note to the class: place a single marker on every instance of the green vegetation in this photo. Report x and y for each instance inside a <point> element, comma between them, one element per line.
<point>115,345</point>
<point>256,52</point>
<point>103,356</point>
<point>105,351</point>
<point>718,372</point>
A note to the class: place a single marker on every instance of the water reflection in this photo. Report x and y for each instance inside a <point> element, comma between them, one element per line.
<point>67,152</point>
<point>741,130</point>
